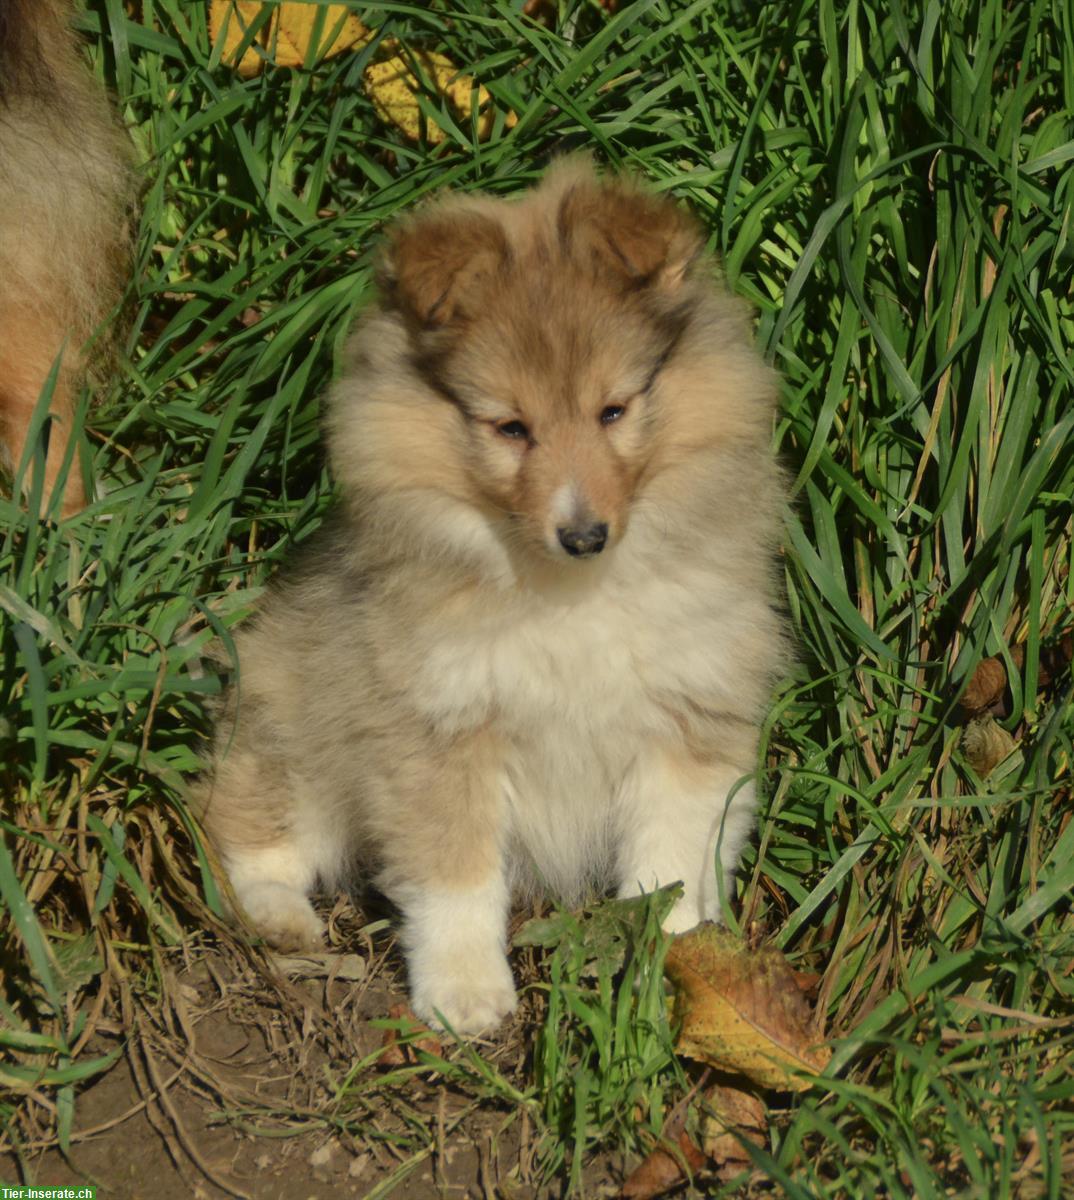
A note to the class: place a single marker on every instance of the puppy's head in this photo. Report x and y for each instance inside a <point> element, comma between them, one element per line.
<point>549,324</point>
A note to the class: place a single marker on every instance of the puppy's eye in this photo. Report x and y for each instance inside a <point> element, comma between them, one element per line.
<point>612,413</point>
<point>512,429</point>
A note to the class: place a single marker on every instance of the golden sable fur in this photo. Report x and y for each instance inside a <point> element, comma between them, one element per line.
<point>536,645</point>
<point>65,187</point>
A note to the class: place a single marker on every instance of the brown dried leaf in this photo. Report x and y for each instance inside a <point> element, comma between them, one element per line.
<point>986,744</point>
<point>1055,660</point>
<point>728,1110</point>
<point>807,982</point>
<point>986,691</point>
<point>662,1170</point>
<point>396,1053</point>
<point>986,686</point>
<point>741,1010</point>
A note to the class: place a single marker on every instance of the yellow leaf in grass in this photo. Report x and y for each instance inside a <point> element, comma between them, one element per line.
<point>393,87</point>
<point>292,34</point>
<point>340,30</point>
<point>743,1011</point>
<point>287,34</point>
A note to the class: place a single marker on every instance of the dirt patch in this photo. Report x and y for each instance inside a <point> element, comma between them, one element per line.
<point>238,1077</point>
<point>134,1159</point>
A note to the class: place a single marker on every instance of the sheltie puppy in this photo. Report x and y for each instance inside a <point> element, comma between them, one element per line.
<point>65,192</point>
<point>535,647</point>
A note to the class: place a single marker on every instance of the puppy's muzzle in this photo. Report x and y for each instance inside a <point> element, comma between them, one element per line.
<point>582,543</point>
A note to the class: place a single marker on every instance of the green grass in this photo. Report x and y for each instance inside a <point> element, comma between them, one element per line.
<point>892,185</point>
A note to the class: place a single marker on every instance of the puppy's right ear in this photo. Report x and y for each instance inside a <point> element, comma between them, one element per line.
<point>433,265</point>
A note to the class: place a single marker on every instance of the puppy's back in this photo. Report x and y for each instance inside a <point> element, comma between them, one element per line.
<point>33,35</point>
<point>65,190</point>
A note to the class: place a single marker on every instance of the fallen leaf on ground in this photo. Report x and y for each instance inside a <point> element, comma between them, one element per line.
<point>289,36</point>
<point>807,982</point>
<point>986,686</point>
<point>397,1053</point>
<point>986,744</point>
<point>286,37</point>
<point>741,1011</point>
<point>662,1170</point>
<point>393,86</point>
<point>729,1111</point>
<point>348,967</point>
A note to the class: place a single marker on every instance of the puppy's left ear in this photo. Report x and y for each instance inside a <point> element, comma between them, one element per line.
<point>648,241</point>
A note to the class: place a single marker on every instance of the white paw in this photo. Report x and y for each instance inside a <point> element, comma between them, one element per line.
<point>282,916</point>
<point>468,996</point>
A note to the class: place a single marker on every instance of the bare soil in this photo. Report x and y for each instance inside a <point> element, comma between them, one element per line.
<point>228,1084</point>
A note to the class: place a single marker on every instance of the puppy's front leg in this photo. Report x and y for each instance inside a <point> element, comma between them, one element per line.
<point>455,938</point>
<point>446,871</point>
<point>679,814</point>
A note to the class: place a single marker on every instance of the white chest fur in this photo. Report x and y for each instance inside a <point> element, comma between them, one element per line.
<point>599,658</point>
<point>578,688</point>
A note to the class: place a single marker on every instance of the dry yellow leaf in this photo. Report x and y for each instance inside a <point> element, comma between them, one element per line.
<point>986,744</point>
<point>340,31</point>
<point>742,1011</point>
<point>393,88</point>
<point>286,36</point>
<point>729,1115</point>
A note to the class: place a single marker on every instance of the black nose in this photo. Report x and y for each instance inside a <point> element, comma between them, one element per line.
<point>582,542</point>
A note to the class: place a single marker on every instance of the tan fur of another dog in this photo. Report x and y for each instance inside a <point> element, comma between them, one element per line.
<point>439,696</point>
<point>65,192</point>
